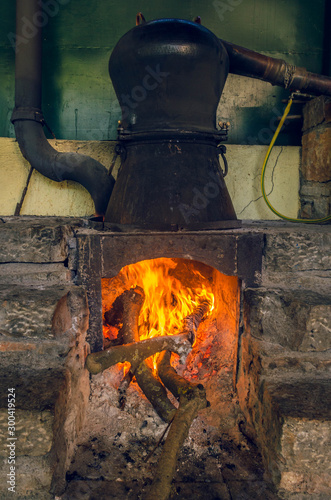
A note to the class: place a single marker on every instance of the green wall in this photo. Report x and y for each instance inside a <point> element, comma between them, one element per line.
<point>78,99</point>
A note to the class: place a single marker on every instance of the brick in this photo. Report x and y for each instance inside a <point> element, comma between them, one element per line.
<point>316,155</point>
<point>316,112</point>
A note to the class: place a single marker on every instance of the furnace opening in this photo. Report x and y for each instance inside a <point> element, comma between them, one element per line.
<point>176,291</point>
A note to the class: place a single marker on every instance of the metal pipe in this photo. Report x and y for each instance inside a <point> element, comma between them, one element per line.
<point>246,62</point>
<point>28,119</point>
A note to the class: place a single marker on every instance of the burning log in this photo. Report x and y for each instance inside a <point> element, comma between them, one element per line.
<point>148,383</point>
<point>192,398</point>
<point>155,392</point>
<point>192,322</point>
<point>176,384</point>
<point>126,309</point>
<point>129,305</point>
<point>136,352</point>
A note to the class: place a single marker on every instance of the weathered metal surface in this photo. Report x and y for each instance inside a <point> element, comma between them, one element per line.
<point>219,250</point>
<point>170,182</point>
<point>168,76</point>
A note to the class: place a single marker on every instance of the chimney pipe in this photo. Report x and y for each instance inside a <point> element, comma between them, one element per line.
<point>28,118</point>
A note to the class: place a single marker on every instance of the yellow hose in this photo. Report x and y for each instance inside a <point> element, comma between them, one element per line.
<point>307,221</point>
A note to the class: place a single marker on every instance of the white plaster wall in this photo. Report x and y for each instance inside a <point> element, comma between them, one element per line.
<point>281,180</point>
<point>46,197</point>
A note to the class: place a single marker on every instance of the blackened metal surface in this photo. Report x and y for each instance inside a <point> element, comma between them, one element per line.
<point>232,253</point>
<point>168,74</point>
<point>249,63</point>
<point>170,183</point>
<point>249,257</point>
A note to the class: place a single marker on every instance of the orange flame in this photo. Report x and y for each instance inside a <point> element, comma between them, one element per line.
<point>167,300</point>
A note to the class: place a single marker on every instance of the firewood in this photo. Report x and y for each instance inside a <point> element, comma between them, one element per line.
<point>168,375</point>
<point>147,381</point>
<point>189,405</point>
<point>136,352</point>
<point>176,384</point>
<point>133,351</point>
<point>155,392</point>
<point>191,397</point>
<point>114,316</point>
<point>192,321</point>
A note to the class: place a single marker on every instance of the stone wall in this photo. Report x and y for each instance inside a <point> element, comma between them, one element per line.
<point>284,375</point>
<point>43,323</point>
<point>315,189</point>
<point>284,350</point>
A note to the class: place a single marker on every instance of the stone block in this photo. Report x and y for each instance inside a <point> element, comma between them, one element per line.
<point>315,189</point>
<point>34,275</point>
<point>27,312</point>
<point>300,395</point>
<point>31,241</point>
<point>322,207</point>
<point>314,281</point>
<point>33,430</point>
<point>316,112</point>
<point>299,249</point>
<point>281,317</point>
<point>38,376</point>
<point>36,360</point>
<point>317,336</point>
<point>284,386</point>
<point>305,447</point>
<point>271,403</point>
<point>33,479</point>
<point>316,155</point>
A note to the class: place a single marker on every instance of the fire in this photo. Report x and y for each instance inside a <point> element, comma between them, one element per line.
<point>170,294</point>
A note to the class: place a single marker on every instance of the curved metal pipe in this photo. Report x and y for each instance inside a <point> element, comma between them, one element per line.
<point>28,119</point>
<point>246,62</point>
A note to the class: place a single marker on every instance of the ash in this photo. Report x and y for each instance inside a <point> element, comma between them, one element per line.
<point>217,461</point>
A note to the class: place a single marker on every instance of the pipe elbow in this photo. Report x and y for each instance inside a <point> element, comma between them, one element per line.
<point>64,166</point>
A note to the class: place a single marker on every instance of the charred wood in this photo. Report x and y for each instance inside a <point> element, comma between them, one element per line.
<point>192,321</point>
<point>150,385</point>
<point>136,352</point>
<point>189,405</point>
<point>176,384</point>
